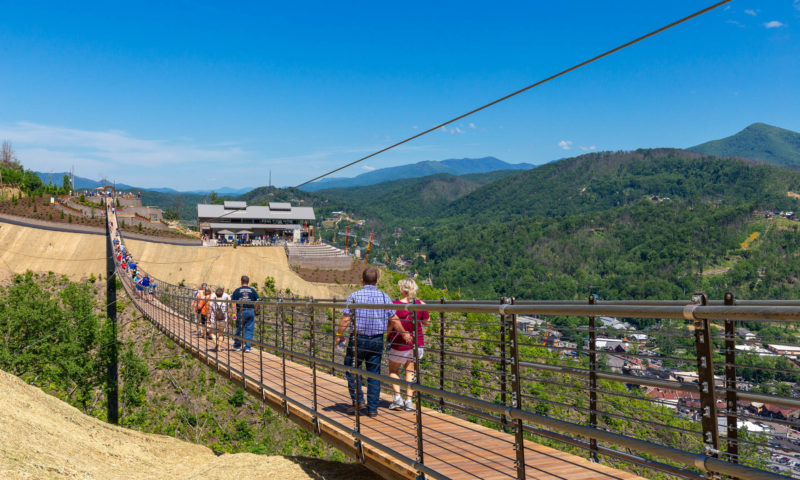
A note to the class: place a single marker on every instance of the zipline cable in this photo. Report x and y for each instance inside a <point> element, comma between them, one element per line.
<point>525,89</point>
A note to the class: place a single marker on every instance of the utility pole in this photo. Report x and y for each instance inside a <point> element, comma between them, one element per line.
<point>111,313</point>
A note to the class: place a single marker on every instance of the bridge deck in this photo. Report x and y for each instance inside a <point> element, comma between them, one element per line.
<point>452,446</point>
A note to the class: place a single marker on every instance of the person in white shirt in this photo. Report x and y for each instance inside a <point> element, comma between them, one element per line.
<point>219,316</point>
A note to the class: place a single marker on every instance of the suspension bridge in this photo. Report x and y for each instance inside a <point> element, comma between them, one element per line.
<point>458,430</point>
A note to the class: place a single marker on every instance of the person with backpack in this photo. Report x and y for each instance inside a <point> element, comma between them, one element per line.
<point>401,354</point>
<point>218,320</point>
<point>196,294</point>
<point>202,306</point>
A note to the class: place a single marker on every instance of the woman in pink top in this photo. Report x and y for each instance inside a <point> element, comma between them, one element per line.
<point>402,353</point>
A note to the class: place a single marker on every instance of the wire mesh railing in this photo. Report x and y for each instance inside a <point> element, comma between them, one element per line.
<point>689,389</point>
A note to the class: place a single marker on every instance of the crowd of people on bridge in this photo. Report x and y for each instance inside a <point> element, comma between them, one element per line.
<point>364,335</point>
<point>214,310</point>
<point>145,285</point>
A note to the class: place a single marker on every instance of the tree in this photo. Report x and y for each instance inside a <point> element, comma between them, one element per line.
<point>66,184</point>
<point>8,158</point>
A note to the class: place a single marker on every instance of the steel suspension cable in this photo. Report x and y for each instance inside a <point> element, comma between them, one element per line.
<point>524,89</point>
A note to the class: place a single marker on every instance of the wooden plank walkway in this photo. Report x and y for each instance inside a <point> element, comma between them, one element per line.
<point>453,447</point>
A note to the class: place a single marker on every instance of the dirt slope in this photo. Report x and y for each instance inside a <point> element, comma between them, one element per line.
<point>46,438</point>
<point>77,255</point>
<point>72,254</point>
<point>221,266</point>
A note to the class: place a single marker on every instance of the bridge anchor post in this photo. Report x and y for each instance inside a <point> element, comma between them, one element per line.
<point>112,390</point>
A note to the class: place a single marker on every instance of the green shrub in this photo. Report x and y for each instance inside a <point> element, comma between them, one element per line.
<point>237,399</point>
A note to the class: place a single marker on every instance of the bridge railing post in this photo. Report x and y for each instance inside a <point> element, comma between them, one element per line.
<point>284,403</point>
<point>313,355</point>
<point>417,393</point>
<point>180,327</point>
<point>516,397</point>
<point>333,337</point>
<point>592,380</point>
<point>731,397</point>
<point>241,352</point>
<point>228,339</point>
<point>291,326</point>
<point>190,327</point>
<point>705,373</point>
<point>261,350</point>
<point>503,368</point>
<point>441,355</point>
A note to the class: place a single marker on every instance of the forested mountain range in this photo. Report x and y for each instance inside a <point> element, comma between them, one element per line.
<point>453,166</point>
<point>758,141</point>
<point>642,224</point>
<point>410,197</point>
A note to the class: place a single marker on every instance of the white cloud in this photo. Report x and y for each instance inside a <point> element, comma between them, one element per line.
<point>414,127</point>
<point>774,24</point>
<point>797,4</point>
<point>113,146</point>
<point>734,22</point>
<point>367,168</point>
<point>750,12</point>
<point>444,129</point>
<point>458,130</point>
<point>113,153</point>
<point>565,144</point>
<point>472,125</point>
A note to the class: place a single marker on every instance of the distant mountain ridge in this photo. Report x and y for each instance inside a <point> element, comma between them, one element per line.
<point>453,166</point>
<point>87,183</point>
<point>758,141</point>
<point>81,182</point>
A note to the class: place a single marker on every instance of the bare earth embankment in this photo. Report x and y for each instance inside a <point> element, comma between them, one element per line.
<point>78,255</point>
<point>43,437</point>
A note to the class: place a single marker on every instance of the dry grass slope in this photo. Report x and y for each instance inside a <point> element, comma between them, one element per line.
<point>46,438</point>
<point>77,256</point>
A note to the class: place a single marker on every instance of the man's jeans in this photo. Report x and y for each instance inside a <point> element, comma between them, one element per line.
<point>247,319</point>
<point>370,352</point>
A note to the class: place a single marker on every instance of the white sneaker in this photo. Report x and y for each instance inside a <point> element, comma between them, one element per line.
<point>409,405</point>
<point>397,404</point>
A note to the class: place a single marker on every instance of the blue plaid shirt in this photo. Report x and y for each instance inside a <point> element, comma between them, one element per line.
<point>369,322</point>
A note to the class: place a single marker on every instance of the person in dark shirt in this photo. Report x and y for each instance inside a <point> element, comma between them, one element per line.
<point>245,314</point>
<point>146,285</point>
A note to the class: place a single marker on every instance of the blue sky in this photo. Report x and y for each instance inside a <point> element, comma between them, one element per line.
<point>197,95</point>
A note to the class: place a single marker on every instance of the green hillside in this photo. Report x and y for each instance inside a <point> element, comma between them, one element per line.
<point>642,224</point>
<point>412,197</point>
<point>599,181</point>
<point>759,141</point>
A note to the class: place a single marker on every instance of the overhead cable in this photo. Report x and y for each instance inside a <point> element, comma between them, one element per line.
<point>501,99</point>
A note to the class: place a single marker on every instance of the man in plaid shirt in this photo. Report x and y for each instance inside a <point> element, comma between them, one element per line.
<point>366,338</point>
